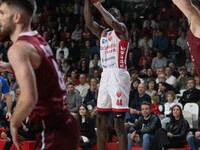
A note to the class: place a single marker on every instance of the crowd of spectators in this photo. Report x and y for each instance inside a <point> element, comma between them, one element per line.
<point>158,60</point>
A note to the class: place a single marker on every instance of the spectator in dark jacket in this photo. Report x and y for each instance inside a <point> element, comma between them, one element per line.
<point>175,134</point>
<point>192,95</point>
<point>88,135</point>
<point>144,130</point>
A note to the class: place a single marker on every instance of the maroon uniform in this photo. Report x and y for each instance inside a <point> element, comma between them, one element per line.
<point>194,47</point>
<point>54,126</point>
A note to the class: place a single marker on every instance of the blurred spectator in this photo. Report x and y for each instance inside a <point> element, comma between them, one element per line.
<point>90,99</point>
<point>95,49</point>
<point>135,75</point>
<point>175,134</point>
<point>73,99</point>
<point>75,78</point>
<point>64,49</point>
<point>160,43</point>
<point>83,68</point>
<point>83,86</point>
<point>4,50</point>
<point>137,52</point>
<point>146,56</point>
<point>76,33</point>
<point>170,79</point>
<point>13,83</point>
<point>144,130</point>
<point>66,68</point>
<point>150,19</point>
<point>88,136</point>
<point>147,30</point>
<point>131,62</point>
<point>74,53</point>
<point>85,52</point>
<point>133,90</point>
<point>174,69</point>
<point>95,67</point>
<point>151,85</point>
<point>96,57</point>
<point>156,107</point>
<point>197,82</point>
<point>145,43</point>
<point>181,82</point>
<point>159,61</point>
<point>192,95</point>
<point>87,35</point>
<point>135,107</point>
<point>171,32</point>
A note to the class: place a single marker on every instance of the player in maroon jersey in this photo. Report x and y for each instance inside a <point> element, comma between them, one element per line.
<point>193,15</point>
<point>41,84</point>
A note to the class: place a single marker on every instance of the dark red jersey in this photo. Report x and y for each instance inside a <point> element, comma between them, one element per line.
<point>50,84</point>
<point>194,47</point>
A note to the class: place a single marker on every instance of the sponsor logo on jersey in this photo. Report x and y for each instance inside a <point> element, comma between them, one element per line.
<point>104,41</point>
<point>110,38</point>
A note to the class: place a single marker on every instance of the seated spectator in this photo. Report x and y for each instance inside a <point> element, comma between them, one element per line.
<point>135,75</point>
<point>66,68</point>
<point>86,33</point>
<point>61,57</point>
<point>181,82</point>
<point>159,70</point>
<point>147,30</point>
<point>192,95</point>
<point>95,49</point>
<point>76,33</point>
<point>135,106</point>
<point>159,61</point>
<point>90,99</point>
<point>150,19</point>
<point>197,82</point>
<point>88,136</point>
<point>171,32</point>
<point>170,79</point>
<point>83,86</point>
<point>137,52</point>
<point>165,117</point>
<point>194,140</point>
<point>133,90</point>
<point>85,52</point>
<point>156,107</point>
<point>175,53</point>
<point>95,67</point>
<point>73,100</point>
<point>96,57</point>
<point>147,56</point>
<point>74,53</point>
<point>151,85</point>
<point>84,68</point>
<point>160,43</point>
<point>131,62</point>
<point>162,89</point>
<point>174,136</point>
<point>75,78</point>
<point>145,43</point>
<point>64,49</point>
<point>174,69</point>
<point>144,130</point>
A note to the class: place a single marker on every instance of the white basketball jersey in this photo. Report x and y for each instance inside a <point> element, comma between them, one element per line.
<point>113,50</point>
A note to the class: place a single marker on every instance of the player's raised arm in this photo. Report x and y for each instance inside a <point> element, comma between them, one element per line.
<point>189,10</point>
<point>19,56</point>
<point>91,24</point>
<point>113,19</point>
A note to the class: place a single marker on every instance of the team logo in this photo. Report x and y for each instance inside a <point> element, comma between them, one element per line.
<point>105,34</point>
<point>110,38</point>
<point>119,94</point>
<point>104,41</point>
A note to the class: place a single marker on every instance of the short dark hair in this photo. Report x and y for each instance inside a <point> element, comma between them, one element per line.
<point>28,5</point>
<point>70,84</point>
<point>191,78</point>
<point>146,103</point>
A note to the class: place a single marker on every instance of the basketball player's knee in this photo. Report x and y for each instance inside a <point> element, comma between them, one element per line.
<point>119,125</point>
<point>101,122</point>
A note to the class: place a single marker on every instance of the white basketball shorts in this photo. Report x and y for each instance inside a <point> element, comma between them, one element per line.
<point>114,90</point>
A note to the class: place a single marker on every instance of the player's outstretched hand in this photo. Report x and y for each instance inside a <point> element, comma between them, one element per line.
<point>17,139</point>
<point>8,116</point>
<point>98,3</point>
<point>4,66</point>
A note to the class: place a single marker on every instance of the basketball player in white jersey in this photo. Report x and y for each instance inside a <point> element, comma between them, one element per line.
<point>115,81</point>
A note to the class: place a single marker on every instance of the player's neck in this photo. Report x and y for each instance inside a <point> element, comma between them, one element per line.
<point>18,30</point>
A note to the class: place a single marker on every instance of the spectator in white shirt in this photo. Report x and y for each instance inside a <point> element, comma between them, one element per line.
<point>62,48</point>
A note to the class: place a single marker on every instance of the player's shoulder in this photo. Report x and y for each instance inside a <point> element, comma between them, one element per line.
<point>20,46</point>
